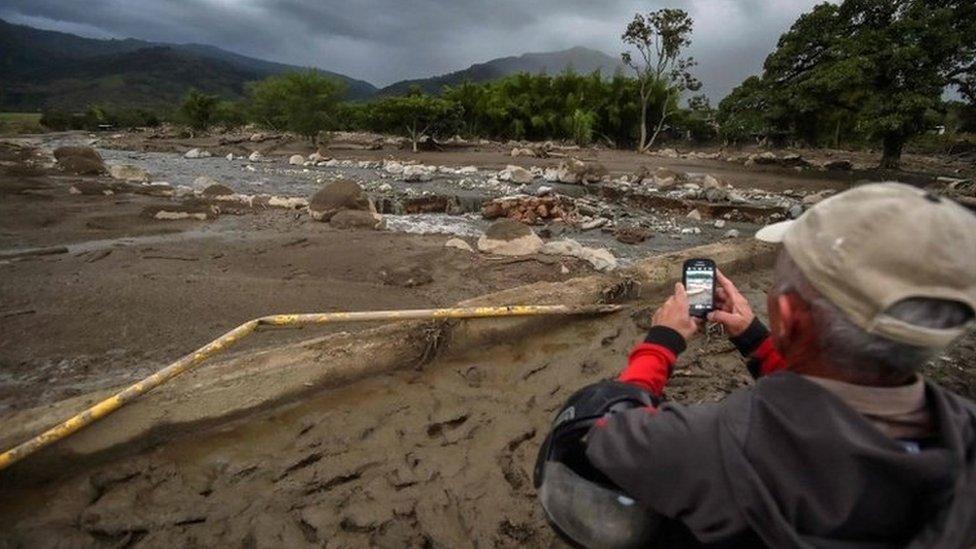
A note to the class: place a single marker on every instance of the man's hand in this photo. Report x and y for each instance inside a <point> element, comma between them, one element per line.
<point>732,310</point>
<point>674,314</point>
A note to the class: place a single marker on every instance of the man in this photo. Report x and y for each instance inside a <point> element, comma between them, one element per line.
<point>840,443</point>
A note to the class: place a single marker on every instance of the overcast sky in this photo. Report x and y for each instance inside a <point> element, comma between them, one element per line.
<point>383,41</point>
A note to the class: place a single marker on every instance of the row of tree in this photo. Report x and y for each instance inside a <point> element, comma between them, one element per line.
<point>858,72</point>
<point>869,70</point>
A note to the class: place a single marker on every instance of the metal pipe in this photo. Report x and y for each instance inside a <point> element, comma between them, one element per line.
<point>116,401</point>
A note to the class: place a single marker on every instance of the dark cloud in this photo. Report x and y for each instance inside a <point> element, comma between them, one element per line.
<point>388,40</point>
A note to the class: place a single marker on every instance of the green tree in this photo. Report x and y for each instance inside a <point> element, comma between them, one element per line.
<point>659,39</point>
<point>873,66</point>
<point>305,103</point>
<point>198,110</point>
<point>416,116</point>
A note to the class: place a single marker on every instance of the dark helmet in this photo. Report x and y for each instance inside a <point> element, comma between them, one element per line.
<point>582,505</point>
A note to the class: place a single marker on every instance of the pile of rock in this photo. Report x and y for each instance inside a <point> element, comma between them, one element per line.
<point>344,205</point>
<point>531,209</point>
<point>80,160</point>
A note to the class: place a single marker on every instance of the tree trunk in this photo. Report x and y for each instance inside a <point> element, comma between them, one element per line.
<point>643,125</point>
<point>891,158</point>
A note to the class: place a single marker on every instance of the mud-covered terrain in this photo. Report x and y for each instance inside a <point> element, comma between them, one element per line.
<point>434,455</point>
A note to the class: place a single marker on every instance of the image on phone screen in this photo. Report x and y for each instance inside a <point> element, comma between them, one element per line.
<point>700,282</point>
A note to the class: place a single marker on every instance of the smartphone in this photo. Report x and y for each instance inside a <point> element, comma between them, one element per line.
<point>698,276</point>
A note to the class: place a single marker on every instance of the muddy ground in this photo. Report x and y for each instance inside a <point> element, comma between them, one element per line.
<point>437,456</point>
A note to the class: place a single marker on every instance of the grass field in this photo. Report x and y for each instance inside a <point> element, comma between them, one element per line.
<point>20,122</point>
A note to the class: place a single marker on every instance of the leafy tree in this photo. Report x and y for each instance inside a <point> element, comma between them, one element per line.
<point>659,39</point>
<point>878,67</point>
<point>199,110</point>
<point>415,115</point>
<point>305,103</point>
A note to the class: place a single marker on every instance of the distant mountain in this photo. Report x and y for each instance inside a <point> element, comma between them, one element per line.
<point>579,59</point>
<point>40,68</point>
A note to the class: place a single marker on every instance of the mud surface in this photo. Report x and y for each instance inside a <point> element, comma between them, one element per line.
<point>439,457</point>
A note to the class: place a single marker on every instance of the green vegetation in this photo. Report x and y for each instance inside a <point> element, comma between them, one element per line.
<point>873,70</point>
<point>199,110</point>
<point>96,117</point>
<point>415,115</point>
<point>305,103</point>
<point>20,122</point>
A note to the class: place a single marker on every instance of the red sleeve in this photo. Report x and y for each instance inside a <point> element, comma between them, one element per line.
<point>768,359</point>
<point>649,367</point>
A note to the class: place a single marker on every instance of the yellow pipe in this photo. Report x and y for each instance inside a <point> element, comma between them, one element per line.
<point>116,401</point>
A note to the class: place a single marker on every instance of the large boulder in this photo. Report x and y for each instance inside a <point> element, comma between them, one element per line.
<point>516,174</point>
<point>575,171</point>
<point>216,189</point>
<point>73,151</point>
<point>356,219</point>
<point>296,160</point>
<point>130,173</point>
<point>335,197</point>
<point>507,237</point>
<point>196,153</point>
<point>80,160</point>
<point>81,165</point>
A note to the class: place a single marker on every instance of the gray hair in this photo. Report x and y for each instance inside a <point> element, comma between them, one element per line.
<point>853,349</point>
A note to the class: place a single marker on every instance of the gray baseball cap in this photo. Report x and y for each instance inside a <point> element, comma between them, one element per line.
<point>873,246</point>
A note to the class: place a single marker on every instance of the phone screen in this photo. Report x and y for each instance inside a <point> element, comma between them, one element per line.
<point>700,287</point>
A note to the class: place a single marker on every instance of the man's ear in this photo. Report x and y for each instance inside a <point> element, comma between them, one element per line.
<point>791,323</point>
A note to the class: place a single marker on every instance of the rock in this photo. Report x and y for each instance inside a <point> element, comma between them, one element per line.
<point>838,165</point>
<point>710,182</point>
<point>731,233</point>
<point>716,195</point>
<point>573,171</point>
<point>80,165</point>
<point>296,160</point>
<point>795,211</point>
<point>255,157</point>
<point>600,259</point>
<point>793,160</point>
<point>764,158</point>
<point>736,198</point>
<point>631,235</point>
<point>695,215</point>
<point>196,153</point>
<point>217,189</point>
<point>393,168</point>
<point>404,276</point>
<point>287,202</point>
<point>467,170</point>
<point>529,209</point>
<point>543,190</point>
<point>507,237</point>
<point>668,153</point>
<point>356,219</point>
<point>418,172</point>
<point>516,151</point>
<point>385,188</point>
<point>516,174</point>
<point>812,199</point>
<point>125,172</point>
<point>77,151</point>
<point>551,175</point>
<point>90,188</point>
<point>230,156</point>
<point>257,137</point>
<point>316,157</point>
<point>188,209</point>
<point>340,195</point>
<point>719,223</point>
<point>459,244</point>
<point>594,224</point>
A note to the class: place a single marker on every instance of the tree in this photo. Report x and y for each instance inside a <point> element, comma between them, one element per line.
<point>876,66</point>
<point>199,110</point>
<point>659,39</point>
<point>305,103</point>
<point>416,115</point>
